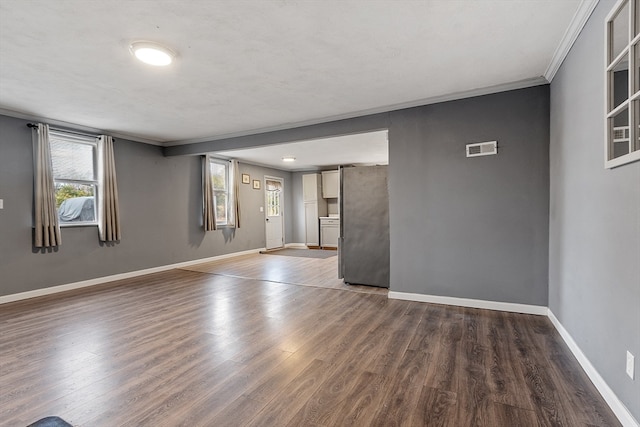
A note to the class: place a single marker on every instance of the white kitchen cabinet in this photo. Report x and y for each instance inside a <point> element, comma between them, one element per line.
<point>314,207</point>
<point>329,232</point>
<point>311,226</point>
<point>330,184</point>
<point>311,187</point>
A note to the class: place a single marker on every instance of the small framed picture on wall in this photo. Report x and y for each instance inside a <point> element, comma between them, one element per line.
<point>256,184</point>
<point>246,179</point>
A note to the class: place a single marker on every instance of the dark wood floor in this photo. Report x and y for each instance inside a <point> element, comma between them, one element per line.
<point>199,349</point>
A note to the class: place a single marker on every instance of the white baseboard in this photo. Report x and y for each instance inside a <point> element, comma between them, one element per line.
<point>99,280</point>
<point>618,408</point>
<point>473,303</point>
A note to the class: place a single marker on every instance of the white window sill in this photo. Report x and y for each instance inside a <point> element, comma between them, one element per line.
<point>622,160</point>
<point>225,225</point>
<point>78,224</point>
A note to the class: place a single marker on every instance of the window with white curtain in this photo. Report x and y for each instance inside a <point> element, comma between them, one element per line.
<point>222,185</point>
<point>73,159</point>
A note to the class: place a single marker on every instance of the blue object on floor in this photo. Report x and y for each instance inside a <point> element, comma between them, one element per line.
<point>50,422</point>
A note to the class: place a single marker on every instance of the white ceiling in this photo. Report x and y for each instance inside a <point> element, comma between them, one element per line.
<point>370,148</point>
<point>245,66</point>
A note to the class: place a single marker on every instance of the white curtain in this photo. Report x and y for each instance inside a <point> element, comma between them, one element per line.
<point>47,228</point>
<point>273,185</point>
<point>108,207</point>
<point>234,194</point>
<point>208,207</point>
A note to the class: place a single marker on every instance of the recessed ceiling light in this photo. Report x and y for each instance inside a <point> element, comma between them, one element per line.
<point>288,159</point>
<point>152,53</point>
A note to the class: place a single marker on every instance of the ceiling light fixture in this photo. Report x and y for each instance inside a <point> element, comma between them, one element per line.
<point>152,53</point>
<point>288,159</point>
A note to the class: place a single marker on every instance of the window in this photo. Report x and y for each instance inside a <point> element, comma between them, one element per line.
<point>274,196</point>
<point>623,84</point>
<point>73,159</point>
<point>221,182</point>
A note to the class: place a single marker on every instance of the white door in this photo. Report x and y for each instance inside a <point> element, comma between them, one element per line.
<point>274,218</point>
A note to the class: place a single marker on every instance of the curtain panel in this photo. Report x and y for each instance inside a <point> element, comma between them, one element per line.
<point>208,207</point>
<point>235,193</point>
<point>273,185</point>
<point>108,205</point>
<point>47,227</point>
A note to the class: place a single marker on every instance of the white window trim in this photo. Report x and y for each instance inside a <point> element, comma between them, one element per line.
<point>634,133</point>
<point>75,138</point>
<point>227,171</point>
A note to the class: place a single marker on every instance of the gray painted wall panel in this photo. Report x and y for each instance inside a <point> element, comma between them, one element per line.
<point>471,227</point>
<point>594,256</point>
<point>364,224</point>
<point>160,206</point>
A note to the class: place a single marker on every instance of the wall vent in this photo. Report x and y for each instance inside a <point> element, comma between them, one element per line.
<point>482,149</point>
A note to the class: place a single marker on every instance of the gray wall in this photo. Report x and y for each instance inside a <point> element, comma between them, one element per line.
<point>594,251</point>
<point>160,209</point>
<point>251,201</point>
<point>471,227</point>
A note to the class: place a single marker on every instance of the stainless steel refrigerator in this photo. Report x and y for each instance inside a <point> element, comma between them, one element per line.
<point>363,247</point>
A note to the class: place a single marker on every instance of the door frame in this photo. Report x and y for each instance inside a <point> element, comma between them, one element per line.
<point>281,180</point>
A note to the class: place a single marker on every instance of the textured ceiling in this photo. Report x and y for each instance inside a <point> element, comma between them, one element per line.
<point>255,65</point>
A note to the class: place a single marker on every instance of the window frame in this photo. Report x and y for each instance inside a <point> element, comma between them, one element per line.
<point>632,102</point>
<point>226,191</point>
<point>80,139</point>
<point>272,196</point>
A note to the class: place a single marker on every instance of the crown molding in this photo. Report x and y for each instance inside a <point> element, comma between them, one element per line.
<point>80,128</point>
<point>570,36</point>
<point>520,84</point>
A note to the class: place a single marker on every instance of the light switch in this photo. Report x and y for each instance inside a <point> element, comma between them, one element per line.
<point>261,209</point>
<point>1,203</point>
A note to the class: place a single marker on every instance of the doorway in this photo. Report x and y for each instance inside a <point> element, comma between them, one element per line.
<point>274,212</point>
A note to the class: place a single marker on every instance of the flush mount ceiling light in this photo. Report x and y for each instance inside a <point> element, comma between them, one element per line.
<point>288,159</point>
<point>152,53</point>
